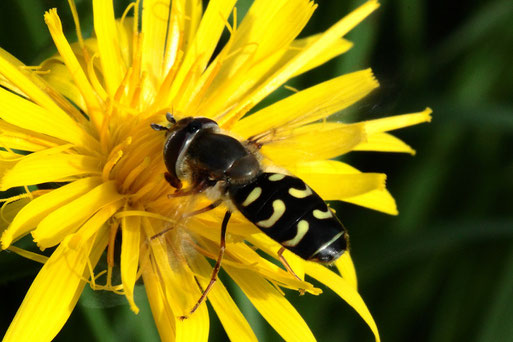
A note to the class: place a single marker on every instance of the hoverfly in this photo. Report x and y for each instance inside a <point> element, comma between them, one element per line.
<point>229,170</point>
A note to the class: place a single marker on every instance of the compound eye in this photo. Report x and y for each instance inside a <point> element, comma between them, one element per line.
<point>194,126</point>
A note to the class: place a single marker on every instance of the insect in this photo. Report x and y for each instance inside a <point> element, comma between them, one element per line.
<point>229,171</point>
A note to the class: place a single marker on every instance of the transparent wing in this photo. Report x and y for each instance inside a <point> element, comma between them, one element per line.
<point>307,136</point>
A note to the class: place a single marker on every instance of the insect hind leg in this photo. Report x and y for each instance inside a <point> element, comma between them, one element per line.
<point>288,268</point>
<point>217,267</point>
<point>209,207</point>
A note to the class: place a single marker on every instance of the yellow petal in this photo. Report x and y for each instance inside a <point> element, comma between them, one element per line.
<point>30,215</point>
<point>345,290</point>
<point>398,121</point>
<point>336,48</point>
<point>383,142</point>
<point>346,268</point>
<point>127,38</point>
<point>26,114</point>
<point>10,156</point>
<point>377,199</point>
<point>130,247</point>
<point>60,78</point>
<point>40,167</point>
<point>31,85</point>
<point>346,185</point>
<point>380,200</point>
<point>200,50</point>
<point>27,83</point>
<point>182,26</point>
<point>105,27</point>
<point>8,160</point>
<point>9,210</point>
<point>21,144</point>
<point>314,142</point>
<point>309,105</point>
<point>193,13</point>
<point>91,226</point>
<point>55,27</point>
<point>55,292</point>
<point>28,255</point>
<point>18,138</point>
<point>272,305</point>
<point>4,81</point>
<point>271,247</point>
<point>303,58</point>
<point>162,313</point>
<point>245,255</point>
<point>68,218</point>
<point>253,261</point>
<point>209,31</point>
<point>282,20</point>
<point>229,314</point>
<point>179,287</point>
<point>328,38</point>
<point>155,23</point>
<point>239,225</point>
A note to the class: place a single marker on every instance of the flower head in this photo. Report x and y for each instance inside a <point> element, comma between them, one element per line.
<point>84,115</point>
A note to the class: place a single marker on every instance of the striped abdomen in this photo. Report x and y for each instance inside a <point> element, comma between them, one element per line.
<point>291,213</point>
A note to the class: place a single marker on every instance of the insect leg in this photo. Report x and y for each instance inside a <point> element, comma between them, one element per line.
<point>159,234</point>
<point>192,213</point>
<point>173,181</point>
<point>289,269</point>
<point>217,267</point>
<point>205,209</point>
<point>189,191</point>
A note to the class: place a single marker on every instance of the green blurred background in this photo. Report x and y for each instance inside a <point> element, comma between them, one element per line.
<point>440,271</point>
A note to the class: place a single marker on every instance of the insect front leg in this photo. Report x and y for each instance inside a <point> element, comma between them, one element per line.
<point>173,181</point>
<point>195,189</point>
<point>217,267</point>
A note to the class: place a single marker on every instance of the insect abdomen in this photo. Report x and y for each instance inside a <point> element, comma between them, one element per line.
<point>291,213</point>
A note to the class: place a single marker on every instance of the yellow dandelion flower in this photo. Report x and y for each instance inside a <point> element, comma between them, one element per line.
<point>85,114</point>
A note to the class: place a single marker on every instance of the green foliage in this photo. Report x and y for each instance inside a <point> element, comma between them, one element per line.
<point>440,271</point>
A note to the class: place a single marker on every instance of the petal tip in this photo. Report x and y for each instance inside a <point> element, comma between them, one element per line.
<point>50,13</point>
<point>134,307</point>
<point>383,181</point>
<point>5,240</point>
<point>427,112</point>
<point>374,3</point>
<point>52,20</point>
<point>36,238</point>
<point>372,78</point>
